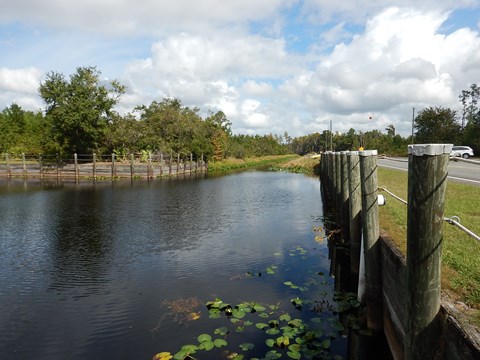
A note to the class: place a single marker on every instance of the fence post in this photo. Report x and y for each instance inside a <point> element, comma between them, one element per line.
<point>40,165</point>
<point>170,165</point>
<point>9,171</point>
<point>114,172</point>
<point>58,164</point>
<point>178,164</point>
<point>132,159</point>
<point>75,160</point>
<point>355,207</point>
<point>161,164</point>
<point>94,165</point>
<point>24,166</point>
<point>191,163</point>
<point>371,233</point>
<point>150,171</point>
<point>427,181</point>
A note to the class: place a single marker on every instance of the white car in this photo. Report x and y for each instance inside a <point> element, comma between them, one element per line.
<point>463,151</point>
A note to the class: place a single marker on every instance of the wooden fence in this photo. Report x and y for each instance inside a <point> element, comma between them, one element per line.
<point>402,296</point>
<point>95,167</point>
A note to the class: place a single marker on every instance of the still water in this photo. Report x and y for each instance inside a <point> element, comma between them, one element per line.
<point>93,271</point>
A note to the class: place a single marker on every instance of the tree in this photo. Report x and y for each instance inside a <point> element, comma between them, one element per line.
<point>80,109</point>
<point>437,125</point>
<point>469,100</point>
<point>390,130</point>
<point>21,131</point>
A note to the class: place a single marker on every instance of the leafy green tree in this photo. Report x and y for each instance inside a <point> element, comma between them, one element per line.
<point>21,131</point>
<point>437,125</point>
<point>79,109</point>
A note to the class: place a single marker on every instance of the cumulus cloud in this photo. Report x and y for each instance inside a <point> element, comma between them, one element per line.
<point>401,59</point>
<point>242,57</point>
<point>20,86</point>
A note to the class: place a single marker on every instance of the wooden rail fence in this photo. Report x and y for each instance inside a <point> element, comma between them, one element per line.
<point>93,166</point>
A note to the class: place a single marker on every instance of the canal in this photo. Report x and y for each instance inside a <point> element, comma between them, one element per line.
<point>123,270</point>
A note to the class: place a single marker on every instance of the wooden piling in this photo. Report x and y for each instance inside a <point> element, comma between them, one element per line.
<point>161,164</point>
<point>371,234</point>
<point>40,164</point>
<point>355,211</point>
<point>132,159</point>
<point>75,160</point>
<point>114,172</point>
<point>338,187</point>
<point>57,156</point>
<point>7,162</point>
<point>24,165</point>
<point>94,166</point>
<point>344,210</point>
<point>427,180</point>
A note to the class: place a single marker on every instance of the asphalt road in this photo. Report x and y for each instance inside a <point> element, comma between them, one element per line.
<point>468,173</point>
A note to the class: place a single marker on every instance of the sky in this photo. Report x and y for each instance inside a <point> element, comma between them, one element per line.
<point>272,66</point>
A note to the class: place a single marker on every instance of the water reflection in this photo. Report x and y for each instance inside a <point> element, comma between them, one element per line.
<point>86,270</point>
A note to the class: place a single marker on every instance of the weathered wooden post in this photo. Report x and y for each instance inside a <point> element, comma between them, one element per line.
<point>114,171</point>
<point>7,161</point>
<point>132,159</point>
<point>58,165</point>
<point>161,164</point>
<point>191,163</point>
<point>94,166</point>
<point>338,187</point>
<point>40,165</point>
<point>24,166</point>
<point>427,182</point>
<point>371,234</point>
<point>344,209</point>
<point>355,207</point>
<point>331,179</point>
<point>75,161</point>
<point>149,166</point>
<point>170,165</point>
<point>178,164</point>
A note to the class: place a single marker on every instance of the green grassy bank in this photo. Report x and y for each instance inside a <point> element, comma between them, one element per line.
<point>291,162</point>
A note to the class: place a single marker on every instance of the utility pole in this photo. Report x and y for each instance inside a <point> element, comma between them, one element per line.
<point>413,122</point>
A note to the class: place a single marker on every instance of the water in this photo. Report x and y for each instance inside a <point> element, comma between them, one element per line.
<point>91,271</point>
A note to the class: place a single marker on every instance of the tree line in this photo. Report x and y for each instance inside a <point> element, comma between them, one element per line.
<point>80,117</point>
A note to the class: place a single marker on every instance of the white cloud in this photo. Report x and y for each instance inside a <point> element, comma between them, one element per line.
<point>20,80</point>
<point>400,60</point>
<point>243,57</point>
<point>127,17</point>
<point>20,86</point>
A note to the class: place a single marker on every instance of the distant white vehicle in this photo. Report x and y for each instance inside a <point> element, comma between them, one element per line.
<point>463,151</point>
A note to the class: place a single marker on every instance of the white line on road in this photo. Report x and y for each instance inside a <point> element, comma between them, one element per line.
<point>462,179</point>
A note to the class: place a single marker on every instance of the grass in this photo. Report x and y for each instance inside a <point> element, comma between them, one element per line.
<point>237,164</point>
<point>292,163</point>
<point>460,253</point>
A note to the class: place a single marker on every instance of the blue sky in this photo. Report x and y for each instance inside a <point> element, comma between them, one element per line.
<point>272,65</point>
